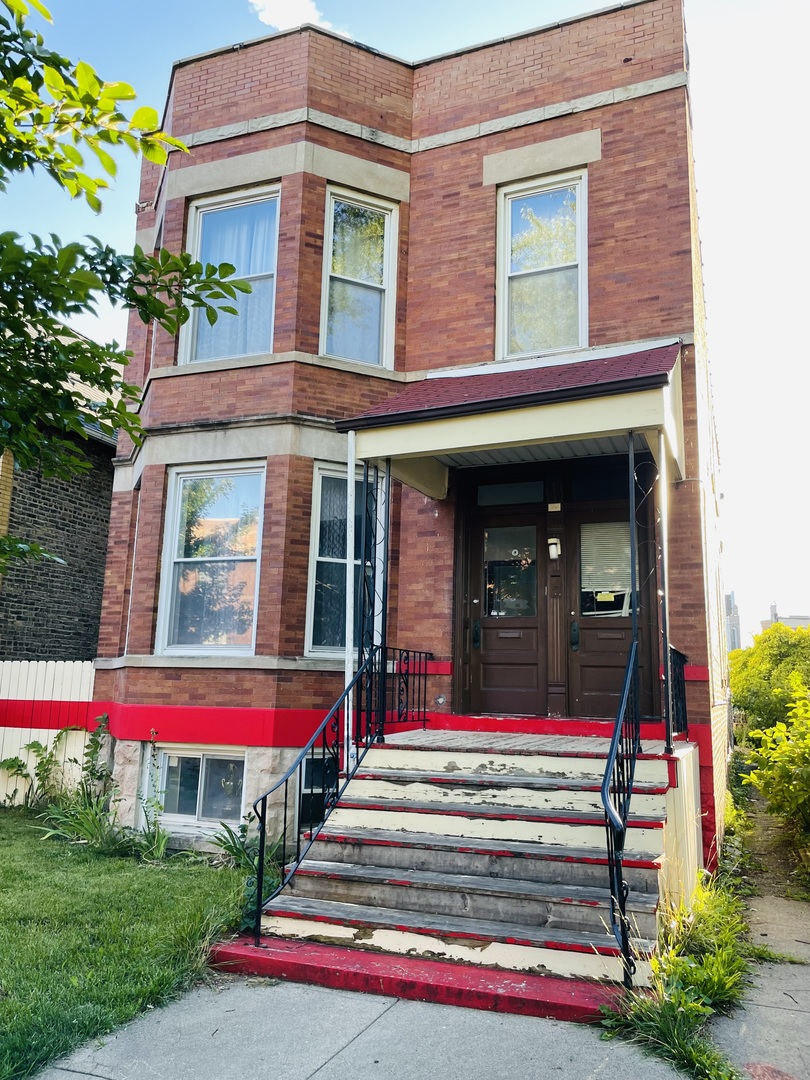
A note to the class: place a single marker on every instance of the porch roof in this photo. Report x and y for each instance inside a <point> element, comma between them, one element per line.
<point>523,413</point>
<point>460,395</point>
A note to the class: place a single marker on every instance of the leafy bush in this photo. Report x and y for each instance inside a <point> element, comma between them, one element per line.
<point>781,759</point>
<point>760,677</point>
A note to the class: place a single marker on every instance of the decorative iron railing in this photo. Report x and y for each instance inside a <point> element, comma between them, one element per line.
<point>617,790</point>
<point>390,687</point>
<point>677,663</point>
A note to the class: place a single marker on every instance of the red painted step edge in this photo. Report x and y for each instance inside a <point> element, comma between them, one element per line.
<point>418,980</point>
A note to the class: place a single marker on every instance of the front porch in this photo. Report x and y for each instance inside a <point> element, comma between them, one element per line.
<point>471,867</point>
<point>532,830</point>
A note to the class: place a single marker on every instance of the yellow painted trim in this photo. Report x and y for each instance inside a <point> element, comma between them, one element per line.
<point>647,412</point>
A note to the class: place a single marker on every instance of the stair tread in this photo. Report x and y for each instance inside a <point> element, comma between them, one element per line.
<point>513,743</point>
<point>500,780</point>
<point>425,923</point>
<point>514,887</point>
<point>498,811</point>
<point>516,848</point>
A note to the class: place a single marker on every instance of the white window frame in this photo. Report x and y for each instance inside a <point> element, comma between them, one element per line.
<point>321,470</point>
<point>506,194</point>
<point>171,525</point>
<point>391,246</point>
<point>156,771</point>
<point>196,215</point>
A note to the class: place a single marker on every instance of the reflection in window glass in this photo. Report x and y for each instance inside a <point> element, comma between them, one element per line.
<point>357,286</point>
<point>216,552</point>
<point>203,786</point>
<point>543,286</point>
<point>510,571</point>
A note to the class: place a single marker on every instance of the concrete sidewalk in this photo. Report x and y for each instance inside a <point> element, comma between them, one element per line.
<point>253,1029</point>
<point>770,1036</point>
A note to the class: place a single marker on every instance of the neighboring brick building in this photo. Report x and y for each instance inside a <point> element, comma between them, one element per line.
<point>519,214</point>
<point>51,611</point>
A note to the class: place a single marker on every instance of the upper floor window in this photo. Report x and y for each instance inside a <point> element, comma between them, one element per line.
<point>357,322</point>
<point>211,555</point>
<point>542,267</point>
<point>242,232</point>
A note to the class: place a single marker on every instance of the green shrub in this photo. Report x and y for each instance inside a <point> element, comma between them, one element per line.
<point>781,760</point>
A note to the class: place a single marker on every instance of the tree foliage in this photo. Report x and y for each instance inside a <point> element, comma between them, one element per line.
<point>54,117</point>
<point>781,759</point>
<point>760,677</point>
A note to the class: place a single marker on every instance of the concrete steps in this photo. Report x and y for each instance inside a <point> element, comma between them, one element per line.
<point>481,850</point>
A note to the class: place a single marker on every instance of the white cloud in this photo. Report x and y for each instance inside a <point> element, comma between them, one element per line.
<point>284,14</point>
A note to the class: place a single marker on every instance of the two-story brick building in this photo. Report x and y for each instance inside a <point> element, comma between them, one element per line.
<point>483,270</point>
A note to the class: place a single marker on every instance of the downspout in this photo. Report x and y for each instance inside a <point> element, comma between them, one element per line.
<point>663,585</point>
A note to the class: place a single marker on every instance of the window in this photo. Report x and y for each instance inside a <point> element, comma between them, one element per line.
<point>326,616</point>
<point>359,272</point>
<point>203,786</point>
<point>542,279</point>
<point>211,560</point>
<point>605,568</point>
<point>243,233</point>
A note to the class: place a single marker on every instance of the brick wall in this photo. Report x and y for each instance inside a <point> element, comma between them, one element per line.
<point>48,611</point>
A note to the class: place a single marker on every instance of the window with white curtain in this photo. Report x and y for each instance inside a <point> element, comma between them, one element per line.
<point>359,271</point>
<point>242,232</point>
<point>210,575</point>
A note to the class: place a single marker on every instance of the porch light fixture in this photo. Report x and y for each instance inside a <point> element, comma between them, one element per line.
<point>554,548</point>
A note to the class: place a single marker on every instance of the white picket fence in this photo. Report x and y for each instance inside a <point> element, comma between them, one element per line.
<point>37,699</point>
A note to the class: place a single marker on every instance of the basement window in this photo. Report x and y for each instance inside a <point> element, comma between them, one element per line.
<point>204,787</point>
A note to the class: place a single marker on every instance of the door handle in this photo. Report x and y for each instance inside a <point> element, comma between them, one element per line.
<point>476,634</point>
<point>575,636</point>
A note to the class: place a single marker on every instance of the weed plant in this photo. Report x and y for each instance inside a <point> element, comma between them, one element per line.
<point>700,969</point>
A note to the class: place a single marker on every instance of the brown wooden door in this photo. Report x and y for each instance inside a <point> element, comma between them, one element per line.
<point>507,616</point>
<point>600,621</point>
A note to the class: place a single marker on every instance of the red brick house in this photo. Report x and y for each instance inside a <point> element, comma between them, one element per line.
<point>480,275</point>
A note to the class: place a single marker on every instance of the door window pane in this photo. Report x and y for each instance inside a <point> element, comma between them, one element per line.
<point>510,571</point>
<point>605,568</point>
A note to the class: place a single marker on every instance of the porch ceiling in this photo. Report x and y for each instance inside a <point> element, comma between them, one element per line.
<point>563,411</point>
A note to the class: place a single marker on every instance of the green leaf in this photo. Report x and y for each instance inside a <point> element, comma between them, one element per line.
<point>145,119</point>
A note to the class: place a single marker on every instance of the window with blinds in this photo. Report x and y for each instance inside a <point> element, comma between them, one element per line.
<point>605,568</point>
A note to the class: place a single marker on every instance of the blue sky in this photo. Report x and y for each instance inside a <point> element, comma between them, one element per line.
<point>747,81</point>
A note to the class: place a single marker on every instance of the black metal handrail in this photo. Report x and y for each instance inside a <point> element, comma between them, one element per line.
<point>389,687</point>
<point>677,663</point>
<point>617,790</point>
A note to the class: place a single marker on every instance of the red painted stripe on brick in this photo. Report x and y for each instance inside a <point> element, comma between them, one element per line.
<point>170,723</point>
<point>440,667</point>
<point>415,979</point>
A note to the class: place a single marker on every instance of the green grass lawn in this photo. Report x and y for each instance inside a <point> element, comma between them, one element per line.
<point>87,942</point>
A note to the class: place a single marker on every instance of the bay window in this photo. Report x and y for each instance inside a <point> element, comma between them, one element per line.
<point>242,232</point>
<point>211,560</point>
<point>359,272</point>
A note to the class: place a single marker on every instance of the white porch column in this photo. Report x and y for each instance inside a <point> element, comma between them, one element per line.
<point>349,749</point>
